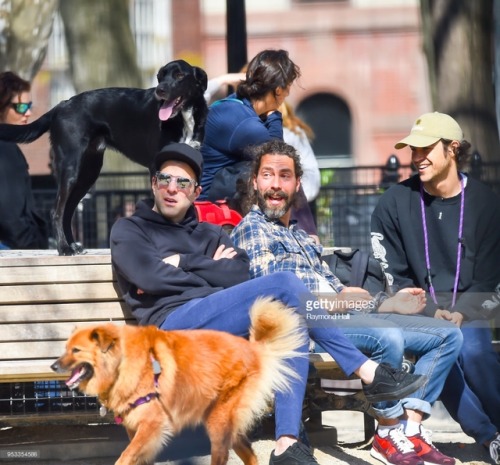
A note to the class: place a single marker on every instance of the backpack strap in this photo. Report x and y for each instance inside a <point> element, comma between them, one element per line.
<point>359,267</point>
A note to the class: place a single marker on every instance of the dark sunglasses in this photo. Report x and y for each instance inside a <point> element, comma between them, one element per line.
<point>164,180</point>
<point>21,108</point>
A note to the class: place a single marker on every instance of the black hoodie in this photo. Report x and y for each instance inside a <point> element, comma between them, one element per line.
<point>398,243</point>
<point>140,243</point>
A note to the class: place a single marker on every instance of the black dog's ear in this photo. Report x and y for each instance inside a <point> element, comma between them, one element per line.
<point>201,77</point>
<point>104,336</point>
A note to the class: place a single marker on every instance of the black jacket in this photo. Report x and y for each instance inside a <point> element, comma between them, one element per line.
<point>140,243</point>
<point>20,225</point>
<point>398,242</point>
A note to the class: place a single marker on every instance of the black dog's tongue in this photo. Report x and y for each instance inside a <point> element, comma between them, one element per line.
<point>166,110</point>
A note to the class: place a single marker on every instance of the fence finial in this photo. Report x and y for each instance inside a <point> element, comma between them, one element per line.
<point>390,173</point>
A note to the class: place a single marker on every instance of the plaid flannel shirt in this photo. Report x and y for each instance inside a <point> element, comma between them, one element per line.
<point>272,247</point>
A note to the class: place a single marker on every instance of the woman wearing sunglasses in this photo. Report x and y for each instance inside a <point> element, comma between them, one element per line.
<point>20,226</point>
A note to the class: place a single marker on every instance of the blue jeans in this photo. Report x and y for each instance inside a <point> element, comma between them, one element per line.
<point>228,310</point>
<point>471,393</point>
<point>386,336</point>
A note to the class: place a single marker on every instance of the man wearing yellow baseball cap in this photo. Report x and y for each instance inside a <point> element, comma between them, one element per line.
<point>430,128</point>
<point>440,230</point>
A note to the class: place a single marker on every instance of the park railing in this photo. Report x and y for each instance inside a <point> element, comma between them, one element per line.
<point>342,209</point>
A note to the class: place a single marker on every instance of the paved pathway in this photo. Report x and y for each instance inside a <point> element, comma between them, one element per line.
<point>341,444</point>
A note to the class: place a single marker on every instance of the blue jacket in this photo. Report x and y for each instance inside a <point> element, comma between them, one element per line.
<point>232,126</point>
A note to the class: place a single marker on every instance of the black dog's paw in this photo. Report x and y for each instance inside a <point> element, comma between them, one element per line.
<point>195,144</point>
<point>78,248</point>
<point>74,248</point>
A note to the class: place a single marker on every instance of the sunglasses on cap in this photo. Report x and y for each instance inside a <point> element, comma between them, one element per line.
<point>21,108</point>
<point>164,180</point>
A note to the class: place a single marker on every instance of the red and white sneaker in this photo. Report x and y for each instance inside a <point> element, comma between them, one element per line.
<point>395,449</point>
<point>427,451</point>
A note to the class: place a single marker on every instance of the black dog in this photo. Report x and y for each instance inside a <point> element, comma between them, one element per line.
<point>136,122</point>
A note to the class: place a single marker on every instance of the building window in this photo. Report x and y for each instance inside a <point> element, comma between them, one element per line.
<point>330,118</point>
<point>151,25</point>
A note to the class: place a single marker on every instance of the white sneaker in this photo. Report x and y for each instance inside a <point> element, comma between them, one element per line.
<point>495,449</point>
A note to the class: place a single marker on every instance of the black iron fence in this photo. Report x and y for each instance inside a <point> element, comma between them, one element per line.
<point>46,399</point>
<point>342,209</point>
<point>348,197</point>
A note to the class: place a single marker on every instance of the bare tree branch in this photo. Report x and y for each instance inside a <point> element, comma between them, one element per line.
<point>25,28</point>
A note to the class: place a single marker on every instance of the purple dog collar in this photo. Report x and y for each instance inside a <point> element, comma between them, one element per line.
<point>147,398</point>
<point>140,401</point>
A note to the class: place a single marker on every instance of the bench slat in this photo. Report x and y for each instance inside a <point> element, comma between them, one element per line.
<point>41,332</point>
<point>57,274</point>
<point>31,350</point>
<point>44,293</point>
<point>29,370</point>
<point>34,313</point>
<point>10,258</point>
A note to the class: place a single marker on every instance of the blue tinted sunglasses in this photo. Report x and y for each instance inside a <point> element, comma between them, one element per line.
<point>21,108</point>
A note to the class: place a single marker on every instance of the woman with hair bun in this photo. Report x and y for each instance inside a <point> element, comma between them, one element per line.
<point>245,119</point>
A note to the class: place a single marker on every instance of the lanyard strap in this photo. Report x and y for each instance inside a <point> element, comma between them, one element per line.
<point>459,245</point>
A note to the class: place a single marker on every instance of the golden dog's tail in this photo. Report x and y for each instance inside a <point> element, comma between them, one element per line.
<point>276,329</point>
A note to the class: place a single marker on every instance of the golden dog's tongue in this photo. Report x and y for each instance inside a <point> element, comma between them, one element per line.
<point>75,375</point>
<point>166,111</point>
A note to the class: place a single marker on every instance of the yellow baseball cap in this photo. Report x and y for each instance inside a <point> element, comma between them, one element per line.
<point>429,128</point>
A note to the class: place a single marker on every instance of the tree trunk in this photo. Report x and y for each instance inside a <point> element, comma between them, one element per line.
<point>100,43</point>
<point>25,28</point>
<point>458,46</point>
<point>102,53</point>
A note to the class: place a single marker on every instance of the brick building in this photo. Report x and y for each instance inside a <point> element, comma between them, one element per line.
<point>363,70</point>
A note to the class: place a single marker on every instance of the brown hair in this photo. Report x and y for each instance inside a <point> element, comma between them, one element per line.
<point>275,147</point>
<point>293,122</point>
<point>268,70</point>
<point>10,86</point>
<point>462,152</point>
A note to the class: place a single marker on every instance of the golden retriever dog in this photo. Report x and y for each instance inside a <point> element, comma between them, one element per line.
<point>159,382</point>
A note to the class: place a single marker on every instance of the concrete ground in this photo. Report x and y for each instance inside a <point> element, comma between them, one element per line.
<point>341,442</point>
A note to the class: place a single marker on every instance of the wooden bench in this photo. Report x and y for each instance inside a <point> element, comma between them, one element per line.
<point>43,297</point>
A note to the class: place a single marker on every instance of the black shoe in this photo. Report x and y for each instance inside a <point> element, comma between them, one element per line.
<point>296,454</point>
<point>391,384</point>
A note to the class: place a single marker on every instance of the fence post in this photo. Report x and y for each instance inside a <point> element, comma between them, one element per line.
<point>476,165</point>
<point>390,172</point>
